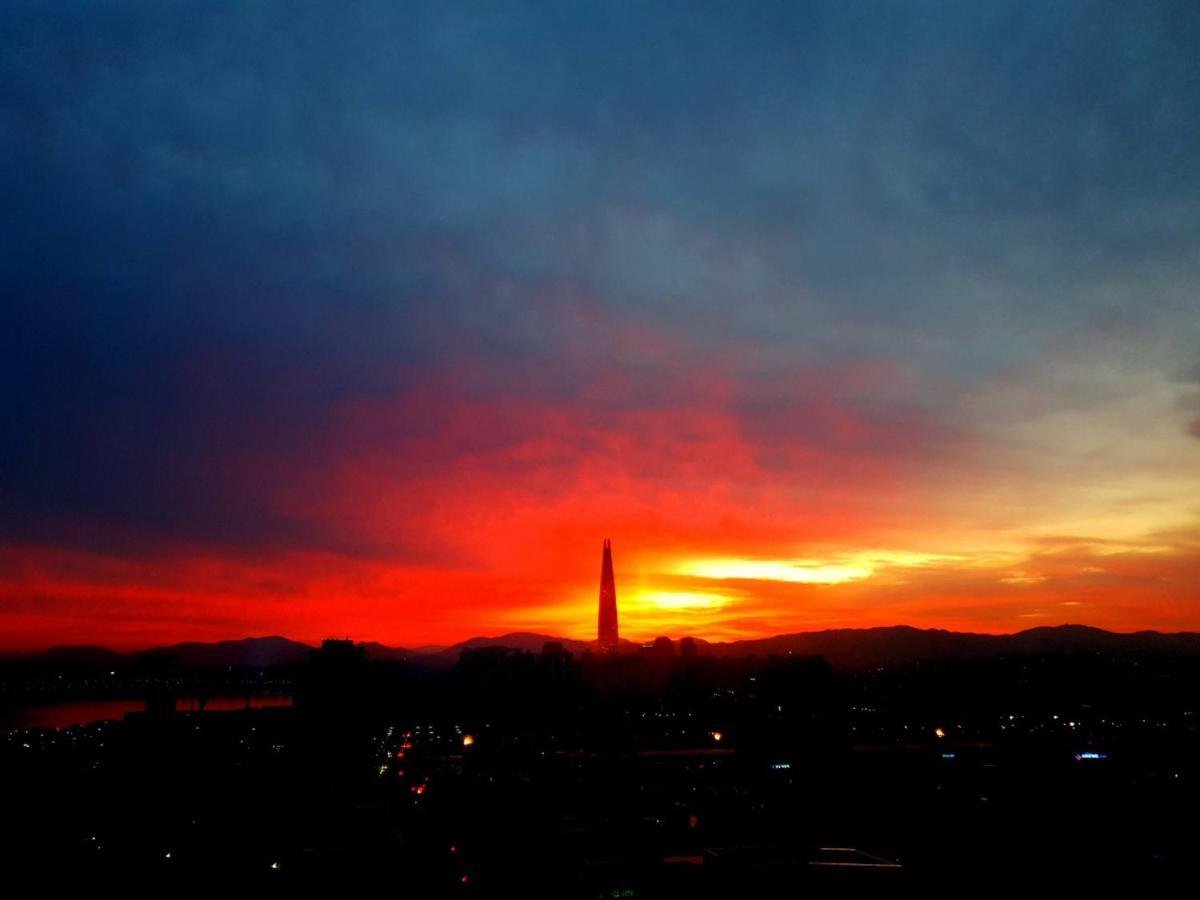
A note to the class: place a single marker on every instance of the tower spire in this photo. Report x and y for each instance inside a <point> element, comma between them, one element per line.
<point>607,631</point>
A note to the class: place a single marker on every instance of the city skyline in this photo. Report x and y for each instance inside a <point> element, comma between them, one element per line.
<point>373,322</point>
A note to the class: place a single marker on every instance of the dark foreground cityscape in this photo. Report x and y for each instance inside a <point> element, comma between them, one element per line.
<point>527,767</point>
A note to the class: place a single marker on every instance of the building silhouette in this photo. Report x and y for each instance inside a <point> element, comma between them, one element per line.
<point>606,635</point>
<point>687,650</point>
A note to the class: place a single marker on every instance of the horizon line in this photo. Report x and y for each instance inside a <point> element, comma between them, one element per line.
<point>439,648</point>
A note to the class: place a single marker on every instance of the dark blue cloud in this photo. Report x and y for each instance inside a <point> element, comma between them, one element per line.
<point>226,220</point>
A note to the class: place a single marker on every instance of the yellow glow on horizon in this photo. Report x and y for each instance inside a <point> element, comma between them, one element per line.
<point>837,570</point>
<point>1022,578</point>
<point>800,572</point>
<point>682,600</point>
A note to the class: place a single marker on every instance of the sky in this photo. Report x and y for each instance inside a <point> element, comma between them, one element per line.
<point>374,320</point>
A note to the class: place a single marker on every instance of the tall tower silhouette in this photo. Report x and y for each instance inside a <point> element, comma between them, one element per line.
<point>607,633</point>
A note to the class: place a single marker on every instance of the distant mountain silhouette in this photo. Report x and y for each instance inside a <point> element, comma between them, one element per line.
<point>254,653</point>
<point>516,640</point>
<point>82,655</point>
<point>843,648</point>
<point>866,647</point>
<point>519,640</point>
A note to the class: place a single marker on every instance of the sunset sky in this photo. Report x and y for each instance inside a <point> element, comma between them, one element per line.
<point>375,321</point>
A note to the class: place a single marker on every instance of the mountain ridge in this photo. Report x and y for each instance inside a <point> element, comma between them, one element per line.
<point>842,647</point>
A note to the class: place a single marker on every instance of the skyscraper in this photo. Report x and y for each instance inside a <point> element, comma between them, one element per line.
<point>606,635</point>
